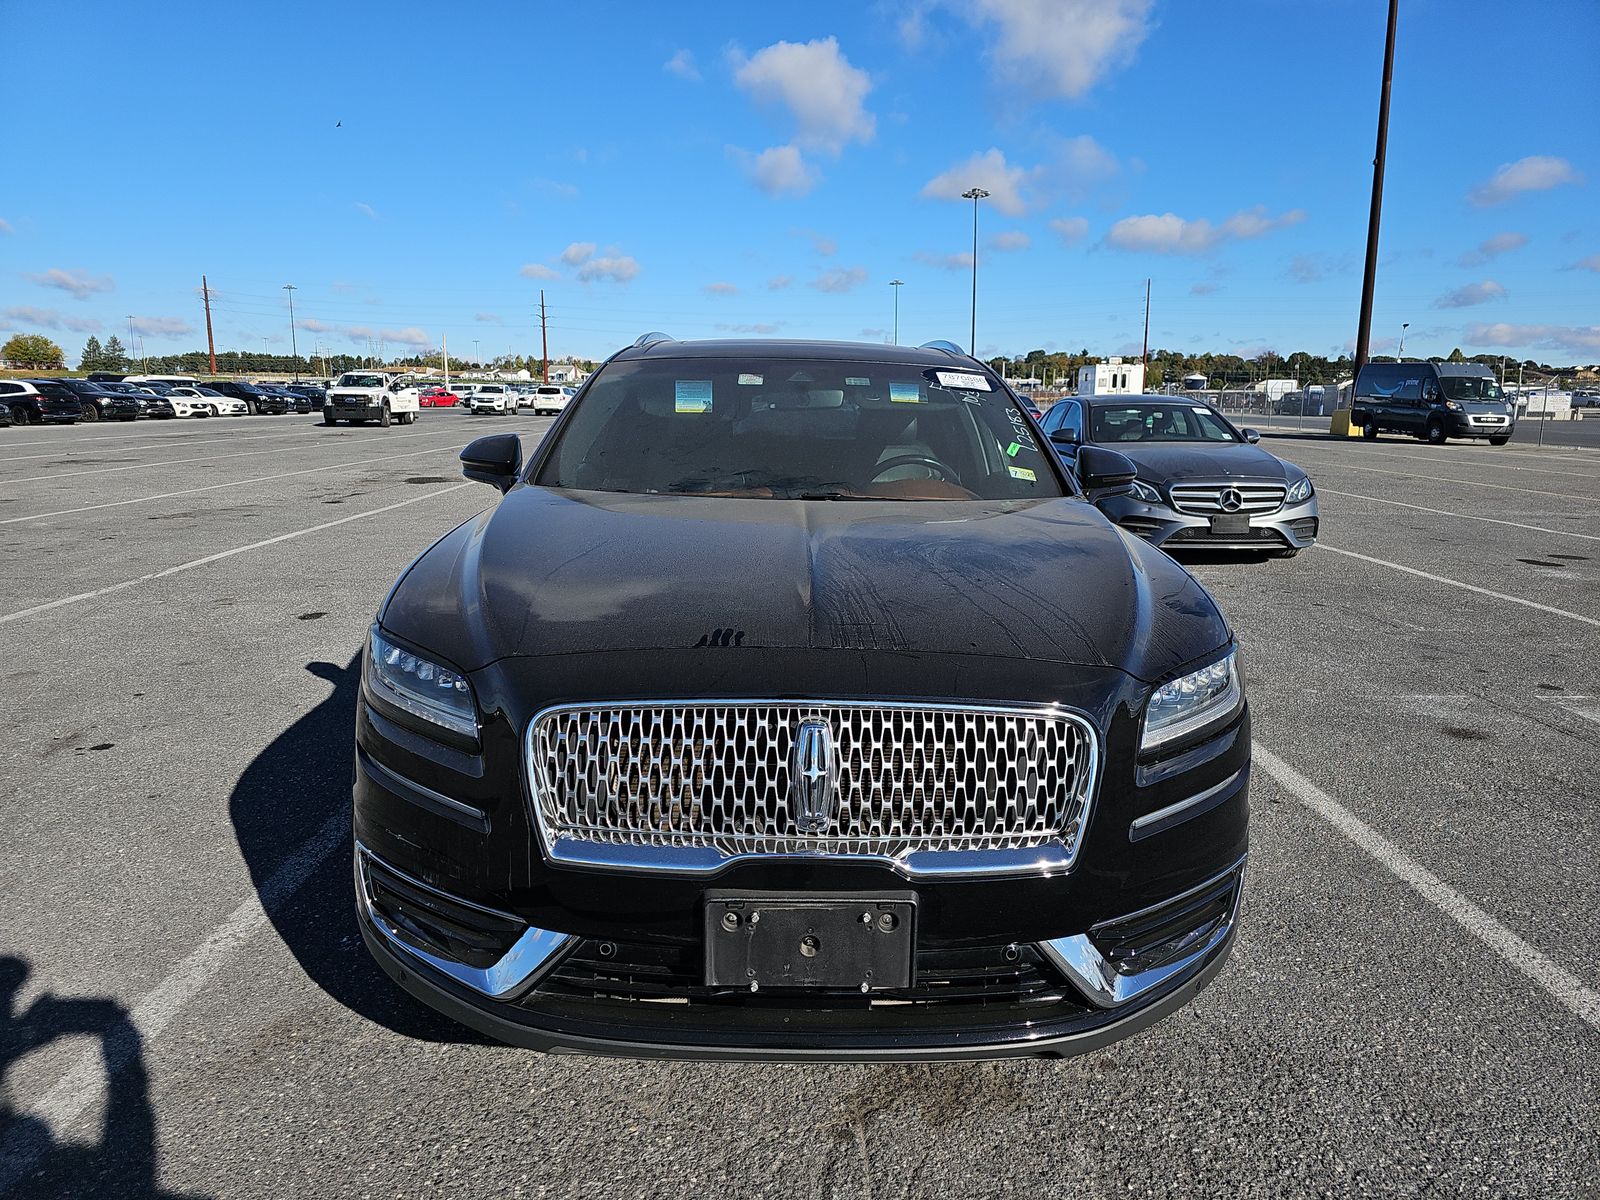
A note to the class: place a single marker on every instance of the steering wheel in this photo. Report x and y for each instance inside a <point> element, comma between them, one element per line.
<point>913,460</point>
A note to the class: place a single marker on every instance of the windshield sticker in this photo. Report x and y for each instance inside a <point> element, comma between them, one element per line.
<point>748,380</point>
<point>962,381</point>
<point>1013,449</point>
<point>902,392</point>
<point>1022,473</point>
<point>856,381</point>
<point>692,396</point>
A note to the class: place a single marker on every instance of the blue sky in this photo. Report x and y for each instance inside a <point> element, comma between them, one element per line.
<point>727,168</point>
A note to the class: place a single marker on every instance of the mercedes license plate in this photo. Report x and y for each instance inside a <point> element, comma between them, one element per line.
<point>1230,525</point>
<point>832,941</point>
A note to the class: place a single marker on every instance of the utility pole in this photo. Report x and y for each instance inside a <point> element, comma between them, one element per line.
<point>294,348</point>
<point>477,355</point>
<point>1400,354</point>
<point>1144,357</point>
<point>132,341</point>
<point>211,342</point>
<point>897,284</point>
<point>544,337</point>
<point>1370,277</point>
<point>974,194</point>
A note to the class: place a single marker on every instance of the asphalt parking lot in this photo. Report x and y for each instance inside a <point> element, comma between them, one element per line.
<point>186,1007</point>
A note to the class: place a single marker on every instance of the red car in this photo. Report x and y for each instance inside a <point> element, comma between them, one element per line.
<point>437,398</point>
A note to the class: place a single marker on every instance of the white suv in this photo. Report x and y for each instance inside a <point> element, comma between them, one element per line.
<point>550,398</point>
<point>492,398</point>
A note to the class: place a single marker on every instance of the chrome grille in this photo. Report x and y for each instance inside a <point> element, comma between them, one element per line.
<point>1206,498</point>
<point>713,780</point>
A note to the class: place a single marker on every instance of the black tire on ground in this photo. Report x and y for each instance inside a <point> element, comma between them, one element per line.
<point>1434,433</point>
<point>21,416</point>
<point>1370,431</point>
<point>1498,441</point>
<point>90,412</point>
<point>384,419</point>
<point>250,408</point>
<point>215,412</point>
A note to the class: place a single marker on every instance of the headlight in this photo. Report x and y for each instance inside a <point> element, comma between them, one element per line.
<point>1299,490</point>
<point>1452,405</point>
<point>1185,705</point>
<point>1145,492</point>
<point>421,687</point>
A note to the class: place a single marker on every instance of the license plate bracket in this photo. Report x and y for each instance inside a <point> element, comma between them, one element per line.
<point>858,942</point>
<point>1230,525</point>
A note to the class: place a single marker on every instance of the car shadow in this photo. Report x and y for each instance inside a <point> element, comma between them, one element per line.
<point>33,1161</point>
<point>284,801</point>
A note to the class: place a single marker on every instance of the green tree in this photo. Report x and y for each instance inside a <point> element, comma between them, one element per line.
<point>115,357</point>
<point>34,352</point>
<point>1456,356</point>
<point>93,356</point>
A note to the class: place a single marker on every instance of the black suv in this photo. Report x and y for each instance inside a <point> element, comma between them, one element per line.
<point>32,404</point>
<point>255,400</point>
<point>62,389</point>
<point>794,701</point>
<point>92,395</point>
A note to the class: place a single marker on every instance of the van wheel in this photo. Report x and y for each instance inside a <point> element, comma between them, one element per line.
<point>383,417</point>
<point>1435,433</point>
<point>1498,441</point>
<point>1370,431</point>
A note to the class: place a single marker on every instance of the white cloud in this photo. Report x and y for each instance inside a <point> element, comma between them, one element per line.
<point>1071,229</point>
<point>757,327</point>
<point>578,252</point>
<point>823,93</point>
<point>49,318</point>
<point>313,325</point>
<point>79,282</point>
<point>487,318</point>
<point>1500,243</point>
<point>950,262</point>
<point>683,66</point>
<point>1536,173</point>
<point>366,210</point>
<point>1169,233</point>
<point>1576,339</point>
<point>779,171</point>
<point>409,336</point>
<point>170,327</point>
<point>821,243</point>
<point>1060,47</point>
<point>988,171</point>
<point>5,226</point>
<point>840,279</point>
<point>1010,239</point>
<point>778,282</point>
<point>538,271</point>
<point>618,268</point>
<point>1592,263</point>
<point>1081,162</point>
<point>722,288</point>
<point>1202,289</point>
<point>1472,293</point>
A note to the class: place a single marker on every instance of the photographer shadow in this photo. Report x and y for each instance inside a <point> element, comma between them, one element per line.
<point>284,800</point>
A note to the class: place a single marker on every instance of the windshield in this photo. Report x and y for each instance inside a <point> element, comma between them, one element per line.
<point>1158,423</point>
<point>1470,387</point>
<point>795,429</point>
<point>363,381</point>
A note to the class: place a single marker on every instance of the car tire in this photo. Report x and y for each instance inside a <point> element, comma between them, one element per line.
<point>250,408</point>
<point>1498,441</point>
<point>21,416</point>
<point>90,412</point>
<point>384,419</point>
<point>1434,433</point>
<point>1370,431</point>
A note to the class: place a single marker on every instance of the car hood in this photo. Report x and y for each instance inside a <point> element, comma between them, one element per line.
<point>1174,462</point>
<point>550,572</point>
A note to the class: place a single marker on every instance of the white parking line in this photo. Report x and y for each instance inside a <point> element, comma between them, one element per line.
<point>1444,512</point>
<point>1470,587</point>
<point>232,483</point>
<point>1499,487</point>
<point>154,1012</point>
<point>1486,462</point>
<point>1564,987</point>
<point>177,441</point>
<point>50,605</point>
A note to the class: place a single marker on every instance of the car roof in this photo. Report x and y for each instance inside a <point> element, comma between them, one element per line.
<point>1143,398</point>
<point>793,348</point>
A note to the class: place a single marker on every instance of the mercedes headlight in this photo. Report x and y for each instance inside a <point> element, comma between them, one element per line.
<point>420,686</point>
<point>1299,490</point>
<point>1143,491</point>
<point>1183,706</point>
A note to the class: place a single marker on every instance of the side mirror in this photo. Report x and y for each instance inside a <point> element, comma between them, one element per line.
<point>1100,469</point>
<point>1251,436</point>
<point>1064,437</point>
<point>494,460</point>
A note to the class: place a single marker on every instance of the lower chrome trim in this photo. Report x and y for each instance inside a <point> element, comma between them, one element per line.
<point>517,970</point>
<point>1192,806</point>
<point>1100,982</point>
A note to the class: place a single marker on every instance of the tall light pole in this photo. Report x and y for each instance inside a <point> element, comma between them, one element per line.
<point>1401,353</point>
<point>477,357</point>
<point>897,284</point>
<point>294,347</point>
<point>974,194</point>
<point>130,339</point>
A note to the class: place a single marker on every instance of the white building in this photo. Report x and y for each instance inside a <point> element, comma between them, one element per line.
<point>1111,378</point>
<point>1276,389</point>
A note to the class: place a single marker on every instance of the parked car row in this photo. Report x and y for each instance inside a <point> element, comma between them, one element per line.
<point>112,397</point>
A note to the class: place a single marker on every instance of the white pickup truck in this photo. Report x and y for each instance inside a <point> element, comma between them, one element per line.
<point>362,396</point>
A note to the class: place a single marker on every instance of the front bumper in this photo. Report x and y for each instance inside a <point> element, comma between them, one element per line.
<point>1465,425</point>
<point>1293,526</point>
<point>353,410</point>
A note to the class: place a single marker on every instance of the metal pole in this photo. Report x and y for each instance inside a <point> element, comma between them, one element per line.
<point>294,348</point>
<point>544,338</point>
<point>897,284</point>
<point>1401,353</point>
<point>974,194</point>
<point>211,342</point>
<point>1370,277</point>
<point>1144,355</point>
<point>1544,412</point>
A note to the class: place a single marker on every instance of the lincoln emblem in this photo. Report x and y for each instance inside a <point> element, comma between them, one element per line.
<point>811,788</point>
